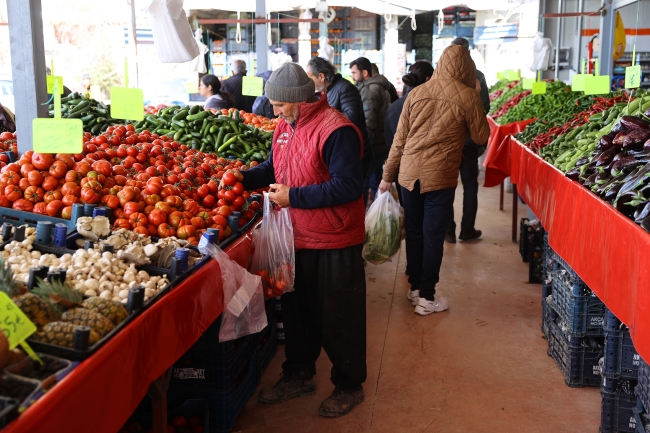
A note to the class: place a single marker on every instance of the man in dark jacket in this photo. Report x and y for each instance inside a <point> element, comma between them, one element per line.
<point>314,170</point>
<point>469,171</point>
<point>391,88</point>
<point>233,85</point>
<point>342,95</point>
<point>376,100</point>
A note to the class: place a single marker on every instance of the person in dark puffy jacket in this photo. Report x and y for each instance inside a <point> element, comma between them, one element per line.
<point>391,87</point>
<point>262,105</point>
<point>342,95</point>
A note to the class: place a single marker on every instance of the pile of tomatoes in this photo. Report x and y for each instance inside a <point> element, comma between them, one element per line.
<point>253,119</point>
<point>7,143</point>
<point>153,185</point>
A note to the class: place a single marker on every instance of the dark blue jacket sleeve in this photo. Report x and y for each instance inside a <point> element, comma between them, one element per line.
<point>342,154</point>
<point>261,176</point>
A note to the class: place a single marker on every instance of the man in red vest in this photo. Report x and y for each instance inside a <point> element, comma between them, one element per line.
<point>315,170</point>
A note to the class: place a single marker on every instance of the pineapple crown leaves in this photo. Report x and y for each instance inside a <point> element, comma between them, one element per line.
<point>7,282</point>
<point>60,295</point>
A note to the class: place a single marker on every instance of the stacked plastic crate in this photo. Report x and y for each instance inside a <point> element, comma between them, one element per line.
<point>573,321</point>
<point>619,369</point>
<point>642,410</point>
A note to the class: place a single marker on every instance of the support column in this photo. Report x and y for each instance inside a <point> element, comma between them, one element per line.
<point>390,48</point>
<point>304,39</point>
<point>606,55</point>
<point>261,44</point>
<point>578,61</point>
<point>27,66</point>
<point>558,42</point>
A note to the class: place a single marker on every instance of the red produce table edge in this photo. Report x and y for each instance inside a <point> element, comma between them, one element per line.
<point>604,247</point>
<point>497,159</point>
<point>104,390</point>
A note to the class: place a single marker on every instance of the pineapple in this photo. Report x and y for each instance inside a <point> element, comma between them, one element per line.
<point>113,311</point>
<point>62,334</point>
<point>39,311</point>
<point>90,318</point>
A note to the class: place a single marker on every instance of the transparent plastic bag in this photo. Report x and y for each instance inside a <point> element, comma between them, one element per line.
<point>274,256</point>
<point>243,299</point>
<point>384,223</point>
<point>172,34</point>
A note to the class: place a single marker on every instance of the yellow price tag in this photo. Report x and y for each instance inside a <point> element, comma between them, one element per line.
<point>252,86</point>
<point>527,83</point>
<point>539,87</point>
<point>578,82</point>
<point>58,135</point>
<point>191,87</point>
<point>513,75</point>
<point>633,77</point>
<point>501,75</point>
<point>598,85</point>
<point>14,323</point>
<point>127,103</point>
<point>50,84</point>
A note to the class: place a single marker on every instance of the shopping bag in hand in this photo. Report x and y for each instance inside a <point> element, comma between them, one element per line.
<point>244,312</point>
<point>274,254</point>
<point>383,229</point>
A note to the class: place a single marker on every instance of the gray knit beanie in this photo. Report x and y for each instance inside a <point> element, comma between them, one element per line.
<point>289,83</point>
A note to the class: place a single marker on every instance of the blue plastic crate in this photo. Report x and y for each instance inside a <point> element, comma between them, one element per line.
<point>643,388</point>
<point>223,406</point>
<point>582,311</point>
<point>639,419</point>
<point>577,357</point>
<point>621,358</point>
<point>617,413</point>
<point>547,271</point>
<point>19,217</point>
<point>612,323</point>
<point>213,365</point>
<point>548,315</point>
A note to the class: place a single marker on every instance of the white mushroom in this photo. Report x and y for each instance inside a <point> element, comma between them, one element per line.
<point>105,286</point>
<point>91,284</point>
<point>90,293</point>
<point>106,294</point>
<point>124,294</point>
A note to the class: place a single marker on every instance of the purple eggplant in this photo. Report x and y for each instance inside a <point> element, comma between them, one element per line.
<point>646,145</point>
<point>622,203</point>
<point>573,175</point>
<point>647,113</point>
<point>618,128</point>
<point>645,224</point>
<point>638,153</point>
<point>590,181</point>
<point>634,123</point>
<point>620,139</point>
<point>636,138</point>
<point>582,161</point>
<point>611,192</point>
<point>642,213</point>
<point>605,143</point>
<point>627,163</point>
<point>614,160</point>
<point>606,157</point>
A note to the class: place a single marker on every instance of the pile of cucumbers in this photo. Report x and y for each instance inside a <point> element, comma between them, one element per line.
<point>94,114</point>
<point>203,130</point>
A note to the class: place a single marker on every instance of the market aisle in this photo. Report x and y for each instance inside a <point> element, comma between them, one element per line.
<point>480,367</point>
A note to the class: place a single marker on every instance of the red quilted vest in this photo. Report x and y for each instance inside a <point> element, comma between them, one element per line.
<point>298,161</point>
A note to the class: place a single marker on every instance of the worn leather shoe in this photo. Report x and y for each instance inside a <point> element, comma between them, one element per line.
<point>450,237</point>
<point>289,386</point>
<point>340,402</point>
<point>466,235</point>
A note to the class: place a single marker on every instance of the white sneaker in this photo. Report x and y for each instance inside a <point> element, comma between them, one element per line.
<point>413,296</point>
<point>426,307</point>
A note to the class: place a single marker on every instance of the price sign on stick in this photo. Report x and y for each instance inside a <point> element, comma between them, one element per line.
<point>16,325</point>
<point>50,84</point>
<point>539,87</point>
<point>633,73</point>
<point>191,87</point>
<point>127,103</point>
<point>513,75</point>
<point>527,83</point>
<point>578,80</point>
<point>57,135</point>
<point>501,75</point>
<point>252,86</point>
<point>598,84</point>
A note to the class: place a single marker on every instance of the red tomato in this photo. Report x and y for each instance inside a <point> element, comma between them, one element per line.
<point>239,201</point>
<point>130,208</point>
<point>58,169</point>
<point>157,217</point>
<point>66,212</point>
<point>35,178</point>
<point>13,192</point>
<point>138,219</point>
<point>186,231</point>
<point>229,179</point>
<point>165,230</point>
<point>39,208</point>
<point>53,207</point>
<point>121,223</point>
<point>34,194</point>
<point>69,200</point>
<point>22,204</point>
<point>50,195</point>
<point>90,196</point>
<point>229,195</point>
<point>238,188</point>
<point>42,161</point>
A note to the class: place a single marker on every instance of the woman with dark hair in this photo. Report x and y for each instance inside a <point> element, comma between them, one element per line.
<point>210,87</point>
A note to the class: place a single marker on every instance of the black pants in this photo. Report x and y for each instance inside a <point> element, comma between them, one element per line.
<point>469,178</point>
<point>427,217</point>
<point>328,309</point>
<point>373,176</point>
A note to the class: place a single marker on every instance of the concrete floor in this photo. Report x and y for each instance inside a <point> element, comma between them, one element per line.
<point>479,367</point>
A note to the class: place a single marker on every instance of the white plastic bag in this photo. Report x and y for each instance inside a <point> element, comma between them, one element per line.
<point>538,56</point>
<point>172,33</point>
<point>243,299</point>
<point>198,64</point>
<point>274,256</point>
<point>384,221</point>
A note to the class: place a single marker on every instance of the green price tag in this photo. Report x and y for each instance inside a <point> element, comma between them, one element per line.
<point>13,322</point>
<point>127,103</point>
<point>50,84</point>
<point>578,82</point>
<point>501,75</point>
<point>528,83</point>
<point>513,75</point>
<point>191,87</point>
<point>539,87</point>
<point>58,135</point>
<point>252,86</point>
<point>598,85</point>
<point>633,77</point>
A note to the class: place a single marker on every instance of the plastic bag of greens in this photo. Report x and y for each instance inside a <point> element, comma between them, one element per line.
<point>274,254</point>
<point>383,229</point>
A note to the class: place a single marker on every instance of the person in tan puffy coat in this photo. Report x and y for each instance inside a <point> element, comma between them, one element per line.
<point>425,158</point>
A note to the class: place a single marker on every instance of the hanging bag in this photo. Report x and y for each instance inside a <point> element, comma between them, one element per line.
<point>384,221</point>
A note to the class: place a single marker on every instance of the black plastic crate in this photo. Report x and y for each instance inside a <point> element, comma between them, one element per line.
<point>621,359</point>
<point>213,365</point>
<point>577,357</point>
<point>574,302</point>
<point>548,315</point>
<point>142,417</point>
<point>639,419</point>
<point>528,237</point>
<point>617,413</point>
<point>266,349</point>
<point>536,263</point>
<point>643,388</point>
<point>223,406</point>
